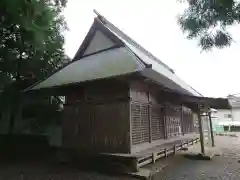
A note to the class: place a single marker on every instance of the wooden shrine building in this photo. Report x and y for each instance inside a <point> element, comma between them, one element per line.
<point>120,98</point>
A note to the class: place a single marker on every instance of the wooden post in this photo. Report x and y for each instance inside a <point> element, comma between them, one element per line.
<point>150,121</point>
<point>135,167</point>
<point>182,120</point>
<point>154,157</point>
<point>211,128</point>
<point>164,122</point>
<point>201,132</point>
<point>130,126</point>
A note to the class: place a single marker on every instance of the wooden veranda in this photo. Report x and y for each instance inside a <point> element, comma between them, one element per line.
<point>136,160</point>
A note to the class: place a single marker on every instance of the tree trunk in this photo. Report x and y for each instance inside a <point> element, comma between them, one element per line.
<point>15,104</point>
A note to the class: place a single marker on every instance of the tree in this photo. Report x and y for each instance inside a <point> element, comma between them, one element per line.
<point>31,37</point>
<point>31,42</point>
<point>208,20</point>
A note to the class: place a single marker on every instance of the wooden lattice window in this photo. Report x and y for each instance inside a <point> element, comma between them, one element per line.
<point>157,122</point>
<point>145,122</point>
<point>140,123</point>
<point>172,120</point>
<point>136,124</point>
<point>187,121</point>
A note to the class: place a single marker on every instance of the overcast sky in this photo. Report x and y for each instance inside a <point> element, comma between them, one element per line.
<point>153,24</point>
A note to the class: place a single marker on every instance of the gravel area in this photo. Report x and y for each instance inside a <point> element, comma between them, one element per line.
<point>223,167</point>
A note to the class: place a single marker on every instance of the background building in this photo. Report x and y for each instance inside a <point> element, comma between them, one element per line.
<point>229,118</point>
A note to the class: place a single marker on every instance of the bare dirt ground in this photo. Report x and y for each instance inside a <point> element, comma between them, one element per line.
<point>38,171</point>
<point>223,167</point>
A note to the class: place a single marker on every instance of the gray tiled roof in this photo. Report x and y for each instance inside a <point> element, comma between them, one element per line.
<point>127,57</point>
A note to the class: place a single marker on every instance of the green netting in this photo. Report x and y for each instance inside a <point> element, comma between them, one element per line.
<point>219,129</point>
<point>214,124</point>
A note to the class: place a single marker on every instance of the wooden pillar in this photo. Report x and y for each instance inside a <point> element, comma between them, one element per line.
<point>201,132</point>
<point>211,129</point>
<point>150,121</point>
<point>165,122</point>
<point>130,126</point>
<point>182,120</point>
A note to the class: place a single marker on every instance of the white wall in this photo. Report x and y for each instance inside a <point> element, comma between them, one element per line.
<point>236,115</point>
<point>221,116</point>
<point>222,119</point>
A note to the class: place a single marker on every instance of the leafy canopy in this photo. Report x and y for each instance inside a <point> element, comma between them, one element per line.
<point>207,20</point>
<point>31,47</point>
<point>31,38</point>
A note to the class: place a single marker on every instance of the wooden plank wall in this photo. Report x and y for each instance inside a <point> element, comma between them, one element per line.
<point>100,121</point>
<point>139,113</point>
<point>172,120</point>
<point>154,119</point>
<point>188,121</point>
<point>147,118</point>
<point>157,121</point>
<point>112,116</point>
<point>157,116</point>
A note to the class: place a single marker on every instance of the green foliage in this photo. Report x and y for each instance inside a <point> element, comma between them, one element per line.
<point>31,42</point>
<point>42,113</point>
<point>208,21</point>
<point>31,38</point>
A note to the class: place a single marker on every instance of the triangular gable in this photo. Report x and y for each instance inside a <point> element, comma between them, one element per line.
<point>129,42</point>
<point>99,42</point>
<point>98,39</point>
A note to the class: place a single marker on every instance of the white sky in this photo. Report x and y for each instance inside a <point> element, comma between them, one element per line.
<point>153,24</point>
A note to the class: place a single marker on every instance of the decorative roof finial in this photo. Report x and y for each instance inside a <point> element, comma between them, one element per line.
<point>95,11</point>
<point>100,17</point>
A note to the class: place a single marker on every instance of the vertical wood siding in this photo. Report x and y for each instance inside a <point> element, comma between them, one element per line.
<point>157,122</point>
<point>97,128</point>
<point>153,118</point>
<point>188,121</point>
<point>173,120</point>
<point>69,125</point>
<point>100,122</point>
<point>105,120</point>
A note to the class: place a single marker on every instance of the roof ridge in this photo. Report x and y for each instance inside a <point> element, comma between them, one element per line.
<point>131,41</point>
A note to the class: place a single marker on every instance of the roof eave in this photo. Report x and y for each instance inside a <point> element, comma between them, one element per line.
<point>165,81</point>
